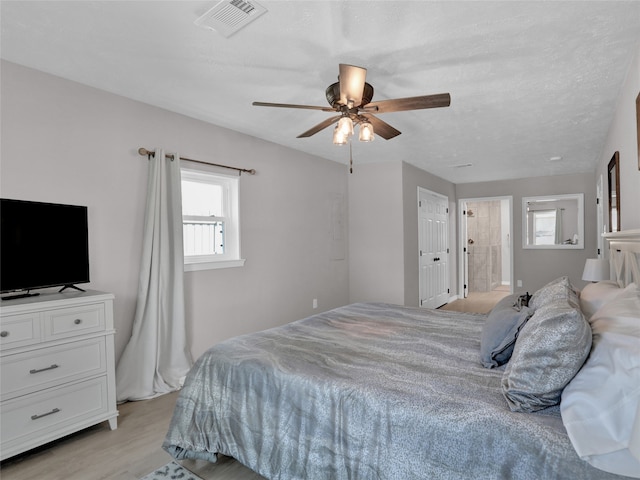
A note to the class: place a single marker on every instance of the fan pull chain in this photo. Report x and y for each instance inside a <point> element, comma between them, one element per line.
<point>350,159</point>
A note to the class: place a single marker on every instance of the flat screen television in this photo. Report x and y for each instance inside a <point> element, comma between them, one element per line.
<point>42,245</point>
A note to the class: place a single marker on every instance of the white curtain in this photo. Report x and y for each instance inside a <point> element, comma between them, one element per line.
<point>156,359</point>
<point>559,227</point>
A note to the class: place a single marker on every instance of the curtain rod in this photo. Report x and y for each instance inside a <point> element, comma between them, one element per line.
<point>151,153</point>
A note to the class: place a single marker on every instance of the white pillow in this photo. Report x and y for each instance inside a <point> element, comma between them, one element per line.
<point>600,407</point>
<point>595,295</point>
<point>620,315</point>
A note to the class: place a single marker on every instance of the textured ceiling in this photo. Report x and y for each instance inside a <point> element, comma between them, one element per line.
<point>528,80</point>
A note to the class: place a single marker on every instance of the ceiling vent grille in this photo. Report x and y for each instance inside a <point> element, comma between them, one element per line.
<point>229,16</point>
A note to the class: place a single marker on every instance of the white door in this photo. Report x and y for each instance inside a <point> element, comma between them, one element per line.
<point>433,242</point>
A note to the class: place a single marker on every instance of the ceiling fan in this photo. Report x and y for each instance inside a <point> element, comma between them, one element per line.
<point>351,98</point>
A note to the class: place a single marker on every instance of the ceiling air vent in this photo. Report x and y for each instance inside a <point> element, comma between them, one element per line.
<point>229,16</point>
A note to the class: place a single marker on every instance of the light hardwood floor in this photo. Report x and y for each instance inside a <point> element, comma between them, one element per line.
<point>478,302</point>
<point>134,448</point>
<point>127,453</point>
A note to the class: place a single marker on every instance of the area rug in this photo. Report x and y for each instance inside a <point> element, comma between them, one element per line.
<point>171,471</point>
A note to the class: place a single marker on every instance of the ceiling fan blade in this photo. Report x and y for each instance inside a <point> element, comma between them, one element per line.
<point>351,84</point>
<point>381,128</point>
<point>320,126</point>
<point>289,105</point>
<point>410,103</point>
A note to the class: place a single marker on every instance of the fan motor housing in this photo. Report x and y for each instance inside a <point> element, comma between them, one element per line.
<point>333,94</point>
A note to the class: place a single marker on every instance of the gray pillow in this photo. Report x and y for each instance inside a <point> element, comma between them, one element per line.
<point>551,348</point>
<point>501,329</point>
<point>558,289</point>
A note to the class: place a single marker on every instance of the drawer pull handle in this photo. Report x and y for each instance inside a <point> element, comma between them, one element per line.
<point>38,370</point>
<point>36,417</point>
<point>4,333</point>
<point>77,321</point>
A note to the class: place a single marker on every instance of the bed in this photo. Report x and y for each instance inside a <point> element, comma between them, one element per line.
<point>380,391</point>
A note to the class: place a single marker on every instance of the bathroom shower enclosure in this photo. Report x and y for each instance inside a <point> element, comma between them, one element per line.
<point>486,250</point>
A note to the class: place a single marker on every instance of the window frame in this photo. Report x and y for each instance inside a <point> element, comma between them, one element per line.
<point>231,218</point>
<point>542,201</point>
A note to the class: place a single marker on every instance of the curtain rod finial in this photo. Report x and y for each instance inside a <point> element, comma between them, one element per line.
<point>143,151</point>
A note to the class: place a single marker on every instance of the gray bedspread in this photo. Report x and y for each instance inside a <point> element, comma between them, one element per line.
<point>366,391</point>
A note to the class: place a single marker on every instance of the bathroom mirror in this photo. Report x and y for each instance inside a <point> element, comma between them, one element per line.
<point>553,221</point>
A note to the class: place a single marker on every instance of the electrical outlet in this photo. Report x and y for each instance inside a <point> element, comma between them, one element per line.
<point>519,283</point>
<point>315,303</point>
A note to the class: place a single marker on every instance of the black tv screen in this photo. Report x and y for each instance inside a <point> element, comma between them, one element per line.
<point>42,245</point>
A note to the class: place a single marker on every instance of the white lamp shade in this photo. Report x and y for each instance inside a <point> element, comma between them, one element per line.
<point>595,270</point>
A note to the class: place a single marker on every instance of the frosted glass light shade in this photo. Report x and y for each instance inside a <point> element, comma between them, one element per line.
<point>366,132</point>
<point>339,138</point>
<point>345,125</point>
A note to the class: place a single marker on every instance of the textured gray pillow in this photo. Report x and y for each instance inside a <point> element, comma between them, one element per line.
<point>557,289</point>
<point>551,348</point>
<point>500,331</point>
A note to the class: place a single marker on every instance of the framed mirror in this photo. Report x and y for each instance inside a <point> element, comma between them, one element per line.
<point>553,222</point>
<point>614,193</point>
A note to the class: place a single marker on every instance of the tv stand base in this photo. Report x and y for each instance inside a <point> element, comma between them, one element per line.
<point>70,286</point>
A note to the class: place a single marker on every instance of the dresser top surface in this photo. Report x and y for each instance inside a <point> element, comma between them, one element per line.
<point>53,299</point>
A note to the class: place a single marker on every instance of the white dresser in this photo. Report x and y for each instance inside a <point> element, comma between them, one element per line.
<point>57,367</point>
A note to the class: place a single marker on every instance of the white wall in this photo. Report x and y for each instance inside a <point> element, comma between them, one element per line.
<point>623,137</point>
<point>376,252</point>
<point>67,143</point>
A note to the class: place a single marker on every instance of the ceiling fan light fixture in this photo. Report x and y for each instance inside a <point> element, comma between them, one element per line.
<point>350,99</point>
<point>339,137</point>
<point>366,132</point>
<point>345,125</point>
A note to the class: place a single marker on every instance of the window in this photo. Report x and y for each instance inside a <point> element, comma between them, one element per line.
<point>210,221</point>
<point>544,227</point>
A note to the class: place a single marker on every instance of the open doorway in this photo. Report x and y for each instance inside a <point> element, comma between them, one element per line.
<point>486,251</point>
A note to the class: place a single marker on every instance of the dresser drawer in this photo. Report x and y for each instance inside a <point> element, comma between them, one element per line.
<point>57,411</point>
<point>77,320</point>
<point>46,367</point>
<point>20,330</point>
